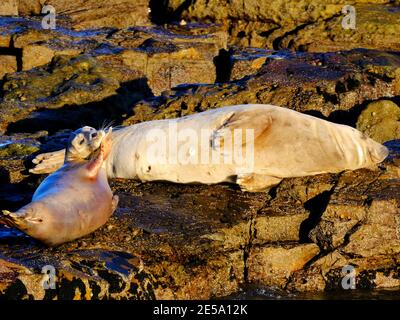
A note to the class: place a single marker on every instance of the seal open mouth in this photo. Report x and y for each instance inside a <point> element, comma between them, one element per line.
<point>98,137</point>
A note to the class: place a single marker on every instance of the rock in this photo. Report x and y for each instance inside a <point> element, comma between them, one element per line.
<point>302,25</point>
<point>34,56</point>
<point>89,14</point>
<point>358,228</point>
<point>29,7</point>
<point>272,266</point>
<point>72,81</point>
<point>380,121</point>
<point>247,62</point>
<point>139,62</point>
<point>8,64</point>
<point>329,35</point>
<point>330,85</point>
<point>9,8</point>
<point>170,258</point>
<point>169,59</point>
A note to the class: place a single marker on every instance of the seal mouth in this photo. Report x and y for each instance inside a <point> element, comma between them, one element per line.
<point>98,137</point>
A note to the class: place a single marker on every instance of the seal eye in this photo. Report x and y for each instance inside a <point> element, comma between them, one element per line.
<point>81,142</point>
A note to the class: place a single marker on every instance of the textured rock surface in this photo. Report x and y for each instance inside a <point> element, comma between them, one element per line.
<point>8,64</point>
<point>331,85</point>
<point>87,14</point>
<point>9,8</point>
<point>191,241</point>
<point>380,121</point>
<point>307,24</point>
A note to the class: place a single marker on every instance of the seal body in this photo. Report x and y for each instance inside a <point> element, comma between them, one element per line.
<point>284,143</point>
<point>70,203</point>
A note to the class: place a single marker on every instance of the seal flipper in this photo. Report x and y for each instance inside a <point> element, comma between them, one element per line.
<point>48,162</point>
<point>19,219</point>
<point>9,219</point>
<point>252,182</point>
<point>250,119</point>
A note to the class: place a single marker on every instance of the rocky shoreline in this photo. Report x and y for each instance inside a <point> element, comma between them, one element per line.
<point>168,60</point>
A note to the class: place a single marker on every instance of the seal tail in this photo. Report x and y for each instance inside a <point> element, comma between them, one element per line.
<point>10,219</point>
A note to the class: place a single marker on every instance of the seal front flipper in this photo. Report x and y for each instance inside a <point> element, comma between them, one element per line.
<point>48,162</point>
<point>114,202</point>
<point>256,120</point>
<point>252,182</point>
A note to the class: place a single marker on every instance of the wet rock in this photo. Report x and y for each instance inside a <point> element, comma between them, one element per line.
<point>359,229</point>
<point>9,8</point>
<point>134,62</point>
<point>37,46</point>
<point>171,257</point>
<point>380,121</point>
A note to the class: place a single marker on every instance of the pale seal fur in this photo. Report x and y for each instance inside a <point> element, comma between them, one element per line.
<point>286,144</point>
<point>73,201</point>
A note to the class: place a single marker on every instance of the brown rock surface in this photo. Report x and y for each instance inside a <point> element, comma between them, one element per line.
<point>8,64</point>
<point>326,85</point>
<point>169,241</point>
<point>306,24</point>
<point>9,8</point>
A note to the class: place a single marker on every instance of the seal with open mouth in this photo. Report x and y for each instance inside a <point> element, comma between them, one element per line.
<point>76,199</point>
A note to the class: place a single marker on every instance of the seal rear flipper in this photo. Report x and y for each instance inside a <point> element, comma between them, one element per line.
<point>10,219</point>
<point>253,182</point>
<point>19,219</point>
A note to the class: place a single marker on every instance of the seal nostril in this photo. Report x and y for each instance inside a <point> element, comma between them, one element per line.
<point>94,135</point>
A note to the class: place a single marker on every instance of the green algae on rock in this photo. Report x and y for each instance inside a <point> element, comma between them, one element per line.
<point>380,120</point>
<point>68,81</point>
<point>17,149</point>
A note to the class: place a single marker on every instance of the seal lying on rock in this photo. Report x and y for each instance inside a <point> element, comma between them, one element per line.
<point>282,143</point>
<point>73,201</point>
